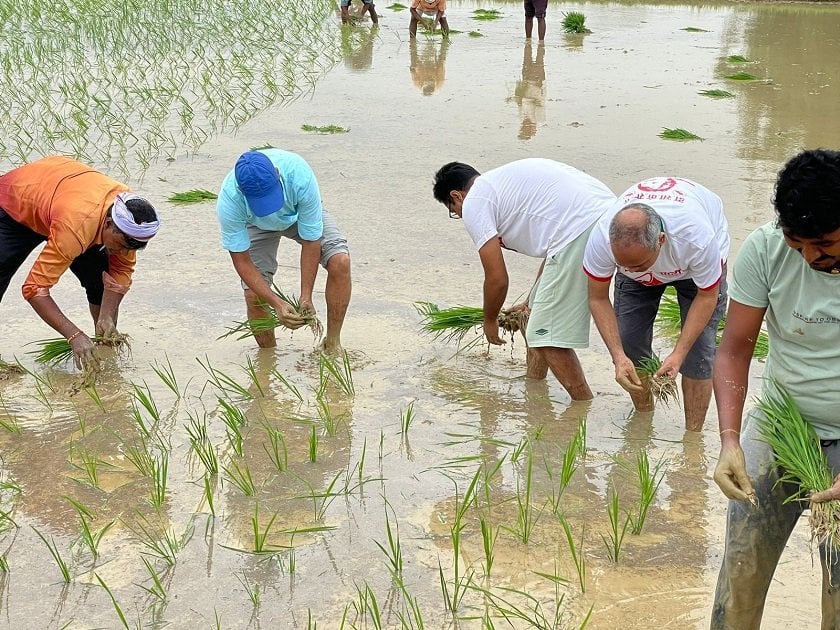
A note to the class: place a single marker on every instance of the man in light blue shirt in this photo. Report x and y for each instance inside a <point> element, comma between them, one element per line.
<point>272,194</point>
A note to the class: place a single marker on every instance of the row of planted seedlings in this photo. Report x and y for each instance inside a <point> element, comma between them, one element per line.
<point>236,449</point>
<point>97,89</point>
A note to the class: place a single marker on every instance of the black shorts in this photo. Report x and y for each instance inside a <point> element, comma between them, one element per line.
<point>535,8</point>
<point>16,243</point>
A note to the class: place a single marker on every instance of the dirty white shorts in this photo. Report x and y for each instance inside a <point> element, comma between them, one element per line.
<point>560,303</point>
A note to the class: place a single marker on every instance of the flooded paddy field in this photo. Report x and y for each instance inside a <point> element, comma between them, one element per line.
<point>224,486</point>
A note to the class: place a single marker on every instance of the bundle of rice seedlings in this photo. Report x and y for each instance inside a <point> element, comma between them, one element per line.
<point>196,195</point>
<point>251,327</point>
<point>801,461</point>
<point>55,351</point>
<point>575,22</point>
<point>454,323</point>
<point>668,321</point>
<point>678,134</point>
<point>663,388</point>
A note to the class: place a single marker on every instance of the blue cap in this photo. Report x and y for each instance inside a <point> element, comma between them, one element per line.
<point>257,179</point>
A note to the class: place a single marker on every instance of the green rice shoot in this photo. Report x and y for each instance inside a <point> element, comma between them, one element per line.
<point>801,461</point>
<point>669,323</point>
<point>716,94</point>
<point>742,76</point>
<point>475,34</point>
<point>250,327</point>
<point>486,14</point>
<point>694,29</point>
<point>196,195</point>
<point>397,7</point>
<point>574,22</point>
<point>325,129</point>
<point>58,350</point>
<point>737,59</point>
<point>678,134</point>
<point>663,388</point>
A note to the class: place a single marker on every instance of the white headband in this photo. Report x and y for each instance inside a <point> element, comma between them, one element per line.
<point>124,220</point>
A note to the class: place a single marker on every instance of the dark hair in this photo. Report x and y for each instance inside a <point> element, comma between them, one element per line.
<point>452,176</point>
<point>807,197</point>
<point>142,212</point>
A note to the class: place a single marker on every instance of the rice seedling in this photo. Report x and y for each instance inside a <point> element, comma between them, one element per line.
<point>88,463</point>
<point>737,59</point>
<point>694,29</point>
<point>8,422</point>
<point>88,536</point>
<point>240,476</point>
<point>572,456</point>
<point>251,371</point>
<point>615,535</point>
<point>741,76</point>
<point>801,461</point>
<point>716,94</point>
<point>488,540</point>
<point>196,195</point>
<point>141,457</point>
<point>114,602</point>
<point>233,420</point>
<point>142,395</point>
<point>4,563</point>
<point>475,34</point>
<point>461,580</point>
<point>663,388</point>
<point>261,534</point>
<point>54,552</point>
<point>576,549</point>
<point>313,445</point>
<point>406,418</point>
<point>526,516</point>
<point>160,541</point>
<point>167,375</point>
<point>517,451</point>
<point>201,445</point>
<point>160,469</point>
<point>157,588</point>
<point>328,420</point>
<point>486,14</point>
<point>393,552</point>
<point>253,590</point>
<point>324,129</point>
<point>208,494</point>
<point>276,449</point>
<point>397,7</point>
<point>678,134</point>
<point>340,373</point>
<point>44,387</point>
<point>287,384</point>
<point>574,22</point>
<point>222,382</point>
<point>649,481</point>
<point>251,327</point>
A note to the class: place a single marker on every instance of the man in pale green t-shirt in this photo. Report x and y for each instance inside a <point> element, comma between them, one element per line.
<point>787,274</point>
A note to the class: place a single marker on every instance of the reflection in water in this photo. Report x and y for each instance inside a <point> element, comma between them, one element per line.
<point>107,91</point>
<point>357,47</point>
<point>800,107</point>
<point>529,93</point>
<point>428,66</point>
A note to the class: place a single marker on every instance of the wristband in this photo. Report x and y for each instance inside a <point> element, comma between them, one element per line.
<point>735,431</point>
<point>73,336</point>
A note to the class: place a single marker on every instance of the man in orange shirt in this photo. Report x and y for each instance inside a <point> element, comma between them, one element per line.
<point>92,225</point>
<point>434,9</point>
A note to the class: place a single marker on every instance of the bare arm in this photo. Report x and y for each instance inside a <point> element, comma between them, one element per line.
<point>251,276</point>
<point>697,318</point>
<point>495,287</point>
<point>310,256</point>
<point>82,345</point>
<point>607,324</point>
<point>109,310</point>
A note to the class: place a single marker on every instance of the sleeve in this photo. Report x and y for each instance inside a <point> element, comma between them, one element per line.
<point>310,221</point>
<point>121,268</point>
<point>232,222</point>
<point>61,249</point>
<point>478,219</point>
<point>707,266</point>
<point>750,285</point>
<point>598,261</point>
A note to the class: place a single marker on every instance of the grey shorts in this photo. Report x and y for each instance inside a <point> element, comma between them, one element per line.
<point>636,305</point>
<point>264,244</point>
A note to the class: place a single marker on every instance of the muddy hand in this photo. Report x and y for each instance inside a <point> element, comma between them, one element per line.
<point>626,376</point>
<point>731,475</point>
<point>517,308</point>
<point>828,495</point>
<point>491,331</point>
<point>670,367</point>
<point>106,328</point>
<point>84,355</point>
<point>306,306</point>
<point>288,316</point>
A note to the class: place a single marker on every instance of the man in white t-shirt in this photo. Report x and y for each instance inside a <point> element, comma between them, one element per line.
<point>787,275</point>
<point>544,209</point>
<point>662,232</point>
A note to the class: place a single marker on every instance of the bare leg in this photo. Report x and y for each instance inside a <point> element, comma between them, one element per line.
<point>345,15</point>
<point>565,366</point>
<point>697,392</point>
<point>541,28</point>
<point>256,310</point>
<point>412,27</point>
<point>536,368</point>
<point>529,27</point>
<point>642,401</point>
<point>444,26</point>
<point>373,16</point>
<point>94,312</point>
<point>339,287</point>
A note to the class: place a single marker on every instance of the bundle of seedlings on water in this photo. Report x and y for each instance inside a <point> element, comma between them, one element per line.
<point>737,59</point>
<point>196,195</point>
<point>716,93</point>
<point>486,14</point>
<point>251,327</point>
<point>801,461</point>
<point>741,76</point>
<point>324,129</point>
<point>678,134</point>
<point>575,22</point>
<point>663,388</point>
<point>55,351</point>
<point>456,322</point>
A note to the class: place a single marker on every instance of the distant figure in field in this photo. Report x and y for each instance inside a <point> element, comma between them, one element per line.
<point>428,68</point>
<point>434,9</point>
<point>367,5</point>
<point>535,9</point>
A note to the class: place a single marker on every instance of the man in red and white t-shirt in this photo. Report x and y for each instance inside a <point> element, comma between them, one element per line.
<point>664,231</point>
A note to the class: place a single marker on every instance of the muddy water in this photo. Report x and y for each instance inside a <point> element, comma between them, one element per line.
<point>597,102</point>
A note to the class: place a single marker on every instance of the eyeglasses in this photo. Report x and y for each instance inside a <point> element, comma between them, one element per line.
<point>130,242</point>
